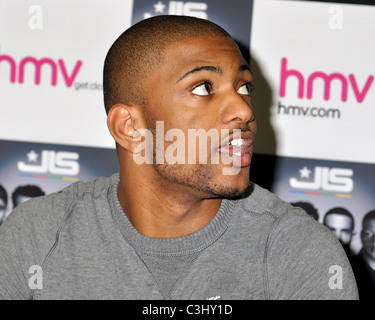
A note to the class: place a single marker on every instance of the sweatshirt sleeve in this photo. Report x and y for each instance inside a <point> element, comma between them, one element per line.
<point>13,271</point>
<point>305,261</point>
<point>26,237</point>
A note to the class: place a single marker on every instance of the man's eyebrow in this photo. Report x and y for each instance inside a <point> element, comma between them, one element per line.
<point>201,68</point>
<point>244,67</point>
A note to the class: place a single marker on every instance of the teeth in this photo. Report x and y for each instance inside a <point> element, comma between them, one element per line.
<point>237,142</point>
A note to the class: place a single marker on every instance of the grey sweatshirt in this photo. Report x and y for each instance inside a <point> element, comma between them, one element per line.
<point>79,244</point>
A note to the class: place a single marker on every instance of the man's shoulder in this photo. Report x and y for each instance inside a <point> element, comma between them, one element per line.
<point>283,215</point>
<point>299,249</point>
<point>290,226</point>
<point>262,201</point>
<point>79,189</point>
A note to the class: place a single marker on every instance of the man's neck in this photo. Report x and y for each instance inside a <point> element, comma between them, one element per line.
<point>161,210</point>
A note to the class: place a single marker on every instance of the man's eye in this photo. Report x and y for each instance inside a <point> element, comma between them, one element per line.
<point>244,89</point>
<point>202,90</point>
<point>368,234</point>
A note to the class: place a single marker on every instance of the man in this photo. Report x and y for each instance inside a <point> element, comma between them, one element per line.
<point>3,203</point>
<point>24,193</point>
<point>364,262</point>
<point>341,222</point>
<point>308,207</point>
<point>180,226</point>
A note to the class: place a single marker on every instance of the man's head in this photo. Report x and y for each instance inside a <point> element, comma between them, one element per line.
<point>341,222</point>
<point>368,234</point>
<point>24,193</point>
<point>185,74</point>
<point>138,51</point>
<point>308,207</point>
<point>3,202</point>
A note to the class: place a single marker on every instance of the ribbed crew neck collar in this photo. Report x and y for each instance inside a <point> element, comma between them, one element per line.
<point>190,243</point>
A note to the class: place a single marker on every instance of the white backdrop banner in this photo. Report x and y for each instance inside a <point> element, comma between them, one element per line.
<point>51,62</point>
<point>317,62</point>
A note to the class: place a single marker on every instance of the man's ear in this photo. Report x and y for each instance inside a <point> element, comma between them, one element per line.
<point>123,122</point>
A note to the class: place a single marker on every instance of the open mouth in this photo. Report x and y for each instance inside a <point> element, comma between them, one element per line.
<point>238,146</point>
<point>237,143</point>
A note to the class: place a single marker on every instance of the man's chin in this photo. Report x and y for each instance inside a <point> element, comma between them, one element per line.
<point>230,192</point>
<point>206,180</point>
<point>371,253</point>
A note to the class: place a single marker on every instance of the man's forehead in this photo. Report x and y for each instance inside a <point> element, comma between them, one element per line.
<point>338,220</point>
<point>200,46</point>
<point>182,56</point>
<point>370,224</point>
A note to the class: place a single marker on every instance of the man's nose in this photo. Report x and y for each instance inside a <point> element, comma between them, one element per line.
<point>337,234</point>
<point>236,109</point>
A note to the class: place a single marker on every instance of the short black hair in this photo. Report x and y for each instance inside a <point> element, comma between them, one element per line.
<point>308,207</point>
<point>3,195</point>
<point>339,210</point>
<point>368,217</point>
<point>31,191</point>
<point>139,50</point>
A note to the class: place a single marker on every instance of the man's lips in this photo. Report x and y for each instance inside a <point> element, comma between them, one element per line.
<point>238,146</point>
<point>237,143</point>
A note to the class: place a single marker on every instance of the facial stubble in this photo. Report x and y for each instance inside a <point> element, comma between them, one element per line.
<point>201,178</point>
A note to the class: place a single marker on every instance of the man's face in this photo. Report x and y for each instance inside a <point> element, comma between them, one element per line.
<point>341,226</point>
<point>368,238</point>
<point>20,199</point>
<point>204,84</point>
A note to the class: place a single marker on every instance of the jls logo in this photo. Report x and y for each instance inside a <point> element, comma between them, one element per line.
<point>328,179</point>
<point>60,163</point>
<point>180,8</point>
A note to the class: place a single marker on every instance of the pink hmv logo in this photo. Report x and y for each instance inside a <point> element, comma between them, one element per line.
<point>17,70</point>
<point>307,83</point>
